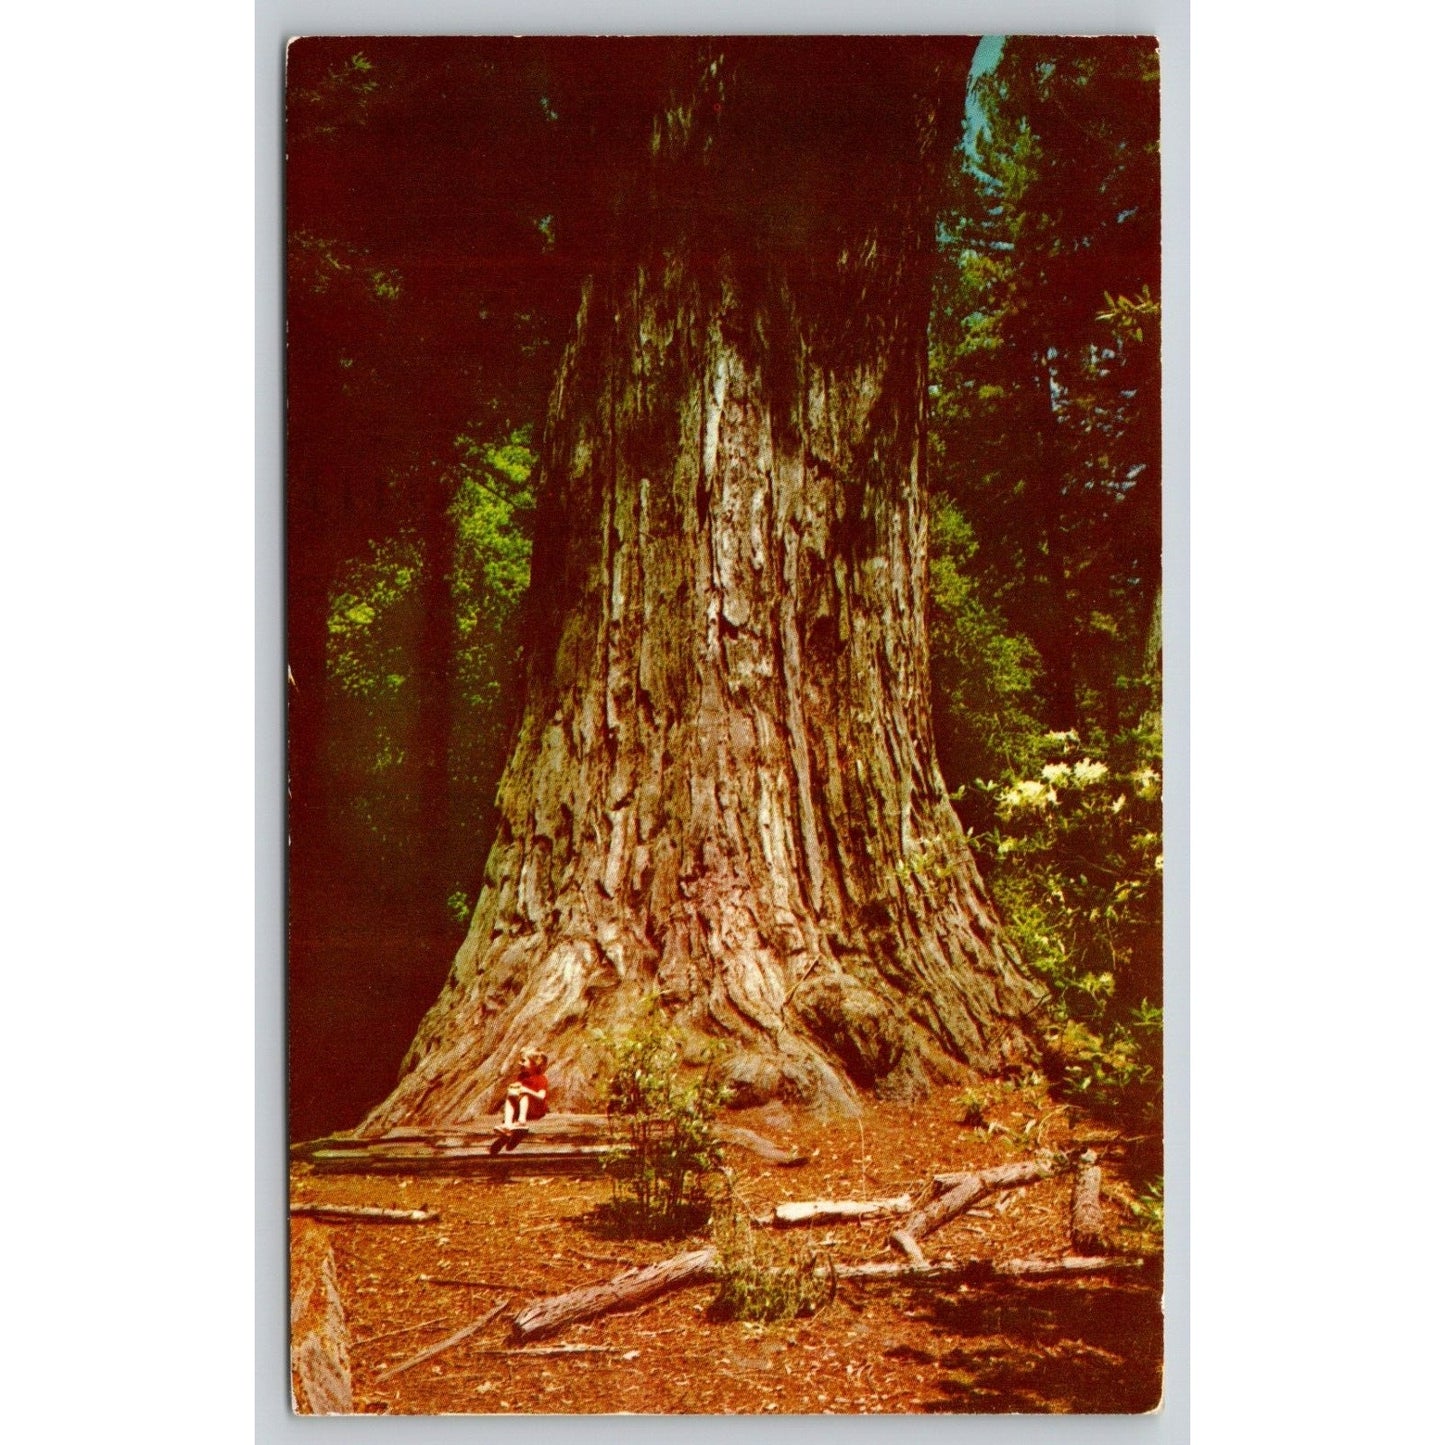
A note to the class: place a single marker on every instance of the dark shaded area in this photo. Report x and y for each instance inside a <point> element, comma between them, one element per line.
<point>1052,441</point>
<point>1093,1347</point>
<point>356,997</point>
<point>424,297</point>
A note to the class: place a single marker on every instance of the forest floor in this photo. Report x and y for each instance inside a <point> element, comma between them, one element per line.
<point>1088,1344</point>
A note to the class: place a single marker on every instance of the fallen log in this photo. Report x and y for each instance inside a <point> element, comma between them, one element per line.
<point>366,1211</point>
<point>756,1144</point>
<point>465,1143</point>
<point>831,1211</point>
<point>563,1158</point>
<point>631,1287</point>
<point>636,1286</point>
<point>968,1189</point>
<point>320,1342</point>
<point>1086,1219</point>
<point>466,1331</point>
<point>998,1176</point>
<point>903,1241</point>
<point>550,1126</point>
<point>982,1270</point>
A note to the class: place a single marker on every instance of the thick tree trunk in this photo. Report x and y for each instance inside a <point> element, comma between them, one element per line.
<point>724,791</point>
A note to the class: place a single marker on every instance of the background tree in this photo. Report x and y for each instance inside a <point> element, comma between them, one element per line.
<point>1045,360</point>
<point>425,304</point>
<point>1046,471</point>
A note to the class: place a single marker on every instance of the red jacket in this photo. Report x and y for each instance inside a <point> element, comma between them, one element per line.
<point>537,1082</point>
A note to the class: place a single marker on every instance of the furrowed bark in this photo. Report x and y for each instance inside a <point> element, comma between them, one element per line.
<point>724,792</point>
<point>1086,1217</point>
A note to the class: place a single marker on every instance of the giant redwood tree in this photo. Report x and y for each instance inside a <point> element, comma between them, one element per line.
<point>723,791</point>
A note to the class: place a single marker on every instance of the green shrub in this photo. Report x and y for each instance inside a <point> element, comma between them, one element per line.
<point>974,1111</point>
<point>664,1148</point>
<point>1116,1070</point>
<point>764,1282</point>
<point>1075,864</point>
<point>1148,1208</point>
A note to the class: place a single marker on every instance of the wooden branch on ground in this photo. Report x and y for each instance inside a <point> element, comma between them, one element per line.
<point>982,1270</point>
<point>902,1240</point>
<point>401,1158</point>
<point>969,1189</point>
<point>393,1334</point>
<point>756,1144</point>
<point>554,1350</point>
<point>829,1211</point>
<point>464,1333</point>
<point>443,1279</point>
<point>633,1286</point>
<point>999,1176</point>
<point>1086,1220</point>
<point>366,1211</point>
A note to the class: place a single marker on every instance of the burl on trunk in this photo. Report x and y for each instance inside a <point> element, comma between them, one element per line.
<point>724,791</point>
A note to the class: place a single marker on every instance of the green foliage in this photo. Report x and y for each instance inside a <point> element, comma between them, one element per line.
<point>492,512</point>
<point>1079,866</point>
<point>459,906</point>
<point>974,1111</point>
<point>1044,459</point>
<point>1076,865</point>
<point>375,630</point>
<point>983,675</point>
<point>662,1118</point>
<point>1148,1208</point>
<point>1044,357</point>
<point>765,1280</point>
<point>371,630</point>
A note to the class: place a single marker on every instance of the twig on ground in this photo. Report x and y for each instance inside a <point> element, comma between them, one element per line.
<point>560,1350</point>
<point>366,1212</point>
<point>481,1322</point>
<point>463,1283</point>
<point>404,1330</point>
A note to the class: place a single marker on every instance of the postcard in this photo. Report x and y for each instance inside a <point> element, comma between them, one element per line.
<point>725,762</point>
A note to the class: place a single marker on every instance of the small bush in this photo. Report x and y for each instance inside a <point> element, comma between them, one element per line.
<point>974,1113</point>
<point>1118,1069</point>
<point>1148,1208</point>
<point>664,1146</point>
<point>765,1282</point>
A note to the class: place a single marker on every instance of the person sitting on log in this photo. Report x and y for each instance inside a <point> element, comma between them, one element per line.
<point>525,1102</point>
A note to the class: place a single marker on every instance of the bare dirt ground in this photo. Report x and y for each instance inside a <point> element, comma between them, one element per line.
<point>1090,1344</point>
